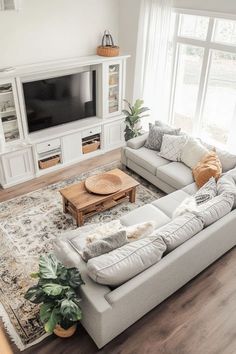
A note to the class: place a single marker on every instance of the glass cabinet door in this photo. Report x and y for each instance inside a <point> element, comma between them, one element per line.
<point>113,95</point>
<point>8,114</point>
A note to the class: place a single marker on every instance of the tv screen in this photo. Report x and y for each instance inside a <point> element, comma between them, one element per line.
<point>60,100</point>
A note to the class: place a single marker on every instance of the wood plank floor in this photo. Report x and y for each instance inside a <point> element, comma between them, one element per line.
<point>200,318</point>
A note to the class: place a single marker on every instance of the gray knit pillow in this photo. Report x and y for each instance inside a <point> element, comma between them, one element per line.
<point>206,192</point>
<point>154,139</point>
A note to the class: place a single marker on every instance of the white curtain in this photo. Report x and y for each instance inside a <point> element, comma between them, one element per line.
<point>151,81</point>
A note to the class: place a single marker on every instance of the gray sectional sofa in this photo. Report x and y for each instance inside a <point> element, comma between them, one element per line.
<point>109,311</point>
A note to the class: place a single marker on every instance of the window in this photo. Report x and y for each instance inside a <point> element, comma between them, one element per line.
<point>203,97</point>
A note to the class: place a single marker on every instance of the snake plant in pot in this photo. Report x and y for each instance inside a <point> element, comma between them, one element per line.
<point>133,118</point>
<point>57,292</point>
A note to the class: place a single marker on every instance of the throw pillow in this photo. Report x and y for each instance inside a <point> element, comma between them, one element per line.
<point>101,231</point>
<point>171,147</point>
<point>135,232</point>
<point>206,192</point>
<point>105,245</point>
<point>193,151</point>
<point>208,167</point>
<point>154,139</point>
<point>188,205</point>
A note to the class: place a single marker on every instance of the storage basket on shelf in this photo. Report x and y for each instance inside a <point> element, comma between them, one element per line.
<point>108,49</point>
<point>90,146</point>
<point>49,162</point>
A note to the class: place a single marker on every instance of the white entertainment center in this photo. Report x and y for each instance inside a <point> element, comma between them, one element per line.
<point>24,155</point>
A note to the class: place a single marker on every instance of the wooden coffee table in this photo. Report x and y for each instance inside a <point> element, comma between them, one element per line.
<point>81,204</point>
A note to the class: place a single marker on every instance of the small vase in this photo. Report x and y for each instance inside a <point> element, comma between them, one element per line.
<point>65,333</point>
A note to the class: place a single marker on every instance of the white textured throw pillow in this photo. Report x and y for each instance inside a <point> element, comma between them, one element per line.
<point>193,151</point>
<point>172,146</point>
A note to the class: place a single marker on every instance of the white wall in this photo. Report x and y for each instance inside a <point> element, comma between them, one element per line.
<point>53,29</point>
<point>129,10</point>
<point>128,29</point>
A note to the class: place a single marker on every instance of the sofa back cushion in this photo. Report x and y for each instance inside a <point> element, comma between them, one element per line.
<point>228,160</point>
<point>124,263</point>
<point>215,208</point>
<point>227,183</point>
<point>179,230</point>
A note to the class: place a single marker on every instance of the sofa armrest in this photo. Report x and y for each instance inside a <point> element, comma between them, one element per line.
<point>137,143</point>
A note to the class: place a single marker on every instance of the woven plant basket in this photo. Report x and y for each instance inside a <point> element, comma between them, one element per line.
<point>108,51</point>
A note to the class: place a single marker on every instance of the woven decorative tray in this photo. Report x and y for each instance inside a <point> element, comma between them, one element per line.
<point>106,183</point>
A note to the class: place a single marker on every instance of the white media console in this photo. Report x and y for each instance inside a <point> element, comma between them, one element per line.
<point>24,155</point>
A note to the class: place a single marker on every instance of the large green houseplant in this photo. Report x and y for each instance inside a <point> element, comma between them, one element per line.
<point>133,117</point>
<point>57,292</point>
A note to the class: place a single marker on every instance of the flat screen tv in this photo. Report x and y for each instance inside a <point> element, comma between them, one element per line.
<point>60,100</point>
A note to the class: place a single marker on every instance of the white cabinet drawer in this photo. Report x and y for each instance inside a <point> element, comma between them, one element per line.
<point>48,145</point>
<point>92,131</point>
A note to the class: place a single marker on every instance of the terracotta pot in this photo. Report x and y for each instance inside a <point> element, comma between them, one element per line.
<point>65,333</point>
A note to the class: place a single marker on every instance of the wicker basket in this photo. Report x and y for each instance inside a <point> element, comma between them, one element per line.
<point>90,147</point>
<point>108,51</point>
<point>51,161</point>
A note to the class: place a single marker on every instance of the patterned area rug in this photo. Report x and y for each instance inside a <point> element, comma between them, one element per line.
<point>28,225</point>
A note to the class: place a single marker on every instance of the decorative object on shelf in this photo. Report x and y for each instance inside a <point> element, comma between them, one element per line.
<point>105,183</point>
<point>108,49</point>
<point>133,118</point>
<point>5,88</point>
<point>56,291</point>
<point>9,5</point>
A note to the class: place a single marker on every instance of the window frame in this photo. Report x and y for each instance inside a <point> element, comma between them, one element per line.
<point>209,47</point>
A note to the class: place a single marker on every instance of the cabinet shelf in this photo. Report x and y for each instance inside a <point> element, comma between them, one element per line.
<point>116,85</point>
<point>6,93</point>
<point>5,113</point>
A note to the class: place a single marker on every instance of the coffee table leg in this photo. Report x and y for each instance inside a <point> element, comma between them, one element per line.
<point>132,195</point>
<point>79,218</point>
<point>64,201</point>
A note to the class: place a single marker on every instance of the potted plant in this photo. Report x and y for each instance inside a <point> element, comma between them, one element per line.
<point>57,292</point>
<point>133,118</point>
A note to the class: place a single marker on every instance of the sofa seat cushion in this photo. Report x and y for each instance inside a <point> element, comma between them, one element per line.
<point>145,213</point>
<point>124,263</point>
<point>191,189</point>
<point>170,202</point>
<point>176,174</point>
<point>146,158</point>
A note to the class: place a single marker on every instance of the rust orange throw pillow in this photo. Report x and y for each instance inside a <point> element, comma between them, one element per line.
<point>209,166</point>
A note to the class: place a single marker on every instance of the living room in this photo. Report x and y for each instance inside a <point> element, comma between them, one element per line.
<point>117,176</point>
